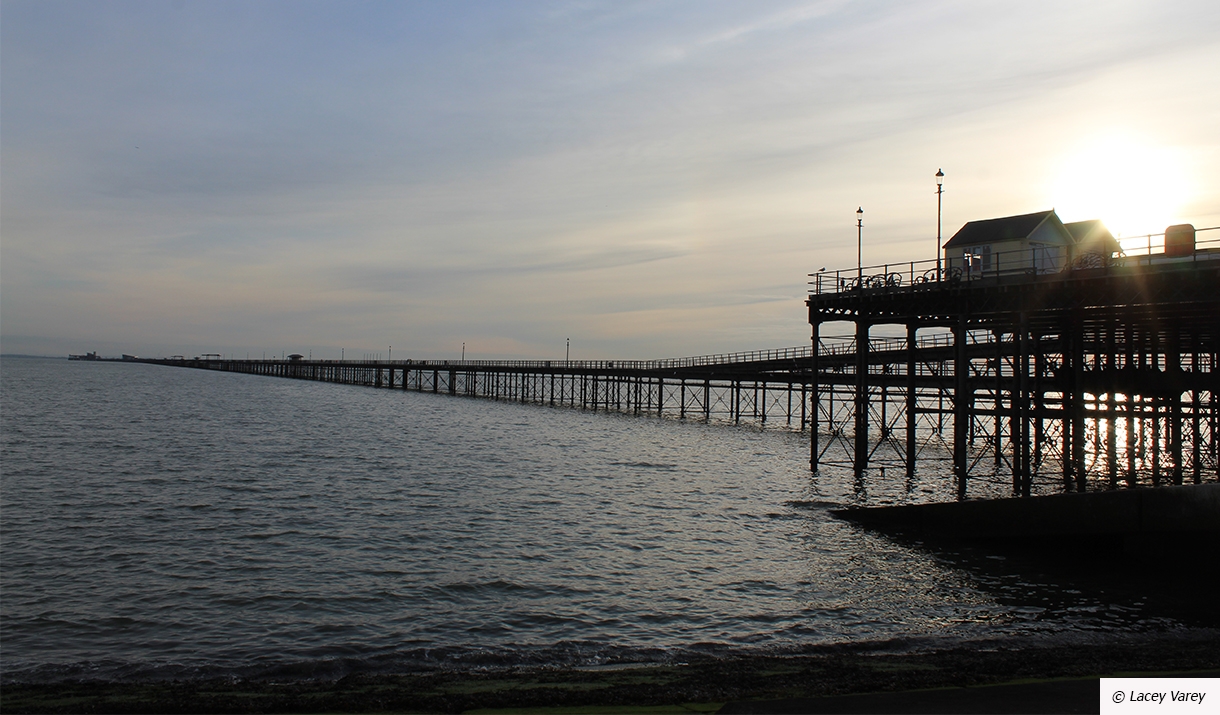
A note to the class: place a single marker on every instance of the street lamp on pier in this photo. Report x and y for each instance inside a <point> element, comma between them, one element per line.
<point>859,248</point>
<point>940,180</point>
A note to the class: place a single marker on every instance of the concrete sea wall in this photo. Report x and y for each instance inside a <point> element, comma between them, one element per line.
<point>1189,514</point>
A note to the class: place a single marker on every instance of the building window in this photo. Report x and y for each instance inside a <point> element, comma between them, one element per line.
<point>977,259</point>
<point>1043,257</point>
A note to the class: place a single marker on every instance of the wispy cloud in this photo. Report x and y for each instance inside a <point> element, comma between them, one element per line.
<point>215,171</point>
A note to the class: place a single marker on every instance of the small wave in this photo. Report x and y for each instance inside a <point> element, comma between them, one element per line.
<point>812,504</point>
<point>646,465</point>
<point>487,586</point>
<point>263,535</point>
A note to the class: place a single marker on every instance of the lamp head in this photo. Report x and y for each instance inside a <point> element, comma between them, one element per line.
<point>940,177</point>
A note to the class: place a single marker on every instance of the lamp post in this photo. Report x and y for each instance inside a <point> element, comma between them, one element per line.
<point>940,180</point>
<point>463,352</point>
<point>859,248</point>
<point>567,353</point>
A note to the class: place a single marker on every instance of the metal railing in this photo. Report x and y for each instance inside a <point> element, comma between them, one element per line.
<point>777,354</point>
<point>1032,262</point>
<point>828,346</point>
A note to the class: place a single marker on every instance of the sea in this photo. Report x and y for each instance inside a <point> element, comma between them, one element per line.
<point>169,523</point>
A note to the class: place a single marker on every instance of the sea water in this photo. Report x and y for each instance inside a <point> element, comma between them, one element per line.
<point>168,522</point>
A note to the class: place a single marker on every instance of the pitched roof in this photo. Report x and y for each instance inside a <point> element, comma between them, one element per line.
<point>1093,236</point>
<point>992,230</point>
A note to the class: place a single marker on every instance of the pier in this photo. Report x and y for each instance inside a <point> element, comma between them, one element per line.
<point>1023,370</point>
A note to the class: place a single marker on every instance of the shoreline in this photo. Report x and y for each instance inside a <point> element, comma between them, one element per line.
<point>700,685</point>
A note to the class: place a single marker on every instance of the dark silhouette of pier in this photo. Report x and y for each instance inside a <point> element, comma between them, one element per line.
<point>1097,365</point>
<point>1093,374</point>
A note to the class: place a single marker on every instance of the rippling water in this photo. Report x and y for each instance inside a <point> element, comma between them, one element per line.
<point>165,522</point>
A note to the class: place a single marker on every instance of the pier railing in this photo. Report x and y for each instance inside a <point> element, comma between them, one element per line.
<point>752,356</point>
<point>830,345</point>
<point>1143,250</point>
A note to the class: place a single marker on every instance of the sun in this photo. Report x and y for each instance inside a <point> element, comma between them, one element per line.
<point>1133,186</point>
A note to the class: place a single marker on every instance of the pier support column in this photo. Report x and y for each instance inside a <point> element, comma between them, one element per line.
<point>997,422</point>
<point>1196,439</point>
<point>1021,454</point>
<point>789,404</point>
<point>860,462</point>
<point>813,399</point>
<point>911,444</point>
<point>1173,378</point>
<point>1129,334</point>
<point>1215,418</point>
<point>1157,391</point>
<point>1111,385</point>
<point>961,406</point>
<point>1039,403</point>
<point>1074,413</point>
<point>804,416</point>
<point>1066,391</point>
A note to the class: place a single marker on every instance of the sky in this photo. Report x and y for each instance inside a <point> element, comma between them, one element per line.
<point>642,179</point>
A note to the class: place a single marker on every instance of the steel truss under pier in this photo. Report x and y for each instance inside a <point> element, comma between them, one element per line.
<point>1085,379</point>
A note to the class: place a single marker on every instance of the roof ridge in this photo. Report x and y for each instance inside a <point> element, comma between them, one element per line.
<point>1002,228</point>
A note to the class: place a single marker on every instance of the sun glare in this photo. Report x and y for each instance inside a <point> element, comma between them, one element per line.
<point>1134,187</point>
